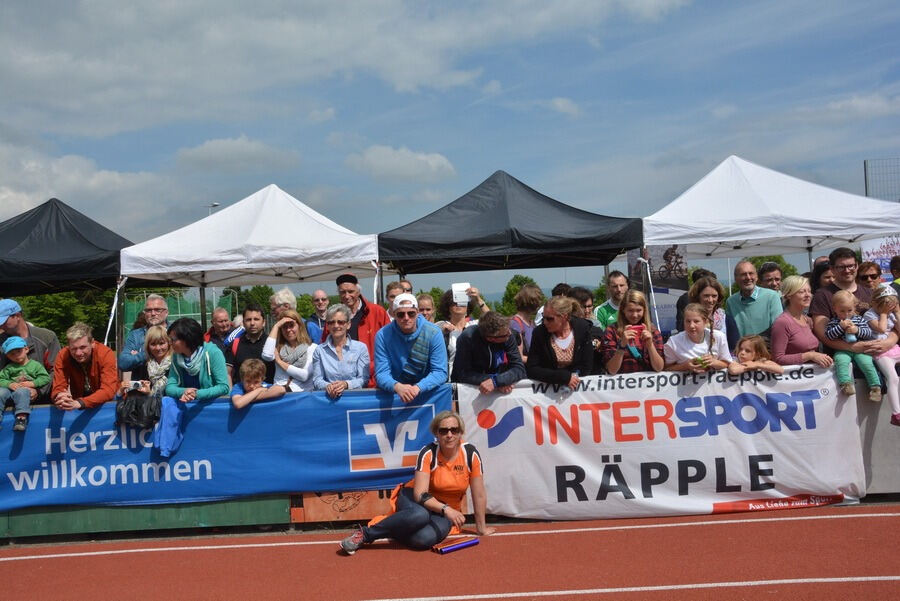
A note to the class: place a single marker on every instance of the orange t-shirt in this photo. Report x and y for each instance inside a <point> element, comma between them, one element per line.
<point>449,479</point>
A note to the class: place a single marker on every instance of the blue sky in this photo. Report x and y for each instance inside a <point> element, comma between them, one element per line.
<point>377,113</point>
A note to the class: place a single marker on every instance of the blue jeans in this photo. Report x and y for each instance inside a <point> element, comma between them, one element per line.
<point>21,399</point>
<point>412,524</point>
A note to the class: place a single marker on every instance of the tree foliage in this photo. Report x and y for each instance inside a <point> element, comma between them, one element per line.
<point>59,311</point>
<point>507,305</point>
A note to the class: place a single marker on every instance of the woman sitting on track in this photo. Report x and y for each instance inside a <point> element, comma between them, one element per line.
<point>428,507</point>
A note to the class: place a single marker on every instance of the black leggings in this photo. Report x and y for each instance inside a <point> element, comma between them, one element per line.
<point>412,524</point>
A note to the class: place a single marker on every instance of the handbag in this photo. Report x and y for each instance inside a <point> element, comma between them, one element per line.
<point>138,409</point>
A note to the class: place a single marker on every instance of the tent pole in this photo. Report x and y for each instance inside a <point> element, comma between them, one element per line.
<point>809,253</point>
<point>203,307</point>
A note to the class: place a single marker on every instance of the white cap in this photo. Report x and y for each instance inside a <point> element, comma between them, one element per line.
<point>405,300</point>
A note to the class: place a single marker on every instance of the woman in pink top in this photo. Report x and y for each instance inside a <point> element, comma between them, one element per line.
<point>793,341</point>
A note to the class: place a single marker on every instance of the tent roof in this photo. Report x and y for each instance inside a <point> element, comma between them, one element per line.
<point>740,209</point>
<point>54,248</point>
<point>268,237</point>
<point>504,224</point>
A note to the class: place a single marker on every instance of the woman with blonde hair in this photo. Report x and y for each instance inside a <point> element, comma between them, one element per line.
<point>793,340</point>
<point>561,347</point>
<point>633,343</point>
<point>292,350</point>
<point>428,508</point>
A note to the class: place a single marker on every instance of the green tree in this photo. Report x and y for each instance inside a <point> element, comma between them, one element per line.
<point>305,305</point>
<point>507,305</point>
<point>59,311</point>
<point>786,268</point>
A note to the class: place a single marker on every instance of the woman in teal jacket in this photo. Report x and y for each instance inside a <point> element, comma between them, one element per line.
<point>198,369</point>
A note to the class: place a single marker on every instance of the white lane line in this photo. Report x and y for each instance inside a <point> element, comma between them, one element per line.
<point>644,589</point>
<point>700,523</point>
<point>515,533</point>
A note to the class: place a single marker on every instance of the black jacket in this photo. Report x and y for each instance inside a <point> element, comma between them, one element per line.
<point>542,364</point>
<point>472,363</point>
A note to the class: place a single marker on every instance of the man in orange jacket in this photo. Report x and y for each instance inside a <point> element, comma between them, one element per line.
<point>84,375</point>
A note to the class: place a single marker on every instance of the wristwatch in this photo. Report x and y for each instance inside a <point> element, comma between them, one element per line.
<point>444,510</point>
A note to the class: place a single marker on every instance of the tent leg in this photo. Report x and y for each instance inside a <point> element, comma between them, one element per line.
<point>203,307</point>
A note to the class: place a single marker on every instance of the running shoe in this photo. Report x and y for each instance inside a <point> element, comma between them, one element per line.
<point>353,542</point>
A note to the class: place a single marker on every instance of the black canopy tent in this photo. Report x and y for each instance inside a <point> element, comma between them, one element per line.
<point>54,248</point>
<point>504,224</point>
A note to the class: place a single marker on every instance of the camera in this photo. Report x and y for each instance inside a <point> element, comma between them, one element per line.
<point>135,385</point>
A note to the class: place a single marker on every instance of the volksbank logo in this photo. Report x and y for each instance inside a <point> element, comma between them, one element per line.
<point>387,439</point>
<point>499,431</point>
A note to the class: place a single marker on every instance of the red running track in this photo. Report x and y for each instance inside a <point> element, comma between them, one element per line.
<point>822,554</point>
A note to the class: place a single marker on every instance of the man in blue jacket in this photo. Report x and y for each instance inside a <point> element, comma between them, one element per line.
<point>488,356</point>
<point>156,313</point>
<point>410,356</point>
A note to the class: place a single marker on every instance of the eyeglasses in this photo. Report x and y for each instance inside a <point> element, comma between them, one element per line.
<point>445,431</point>
<point>407,290</point>
<point>848,267</point>
<point>405,314</point>
<point>870,276</point>
<point>337,322</point>
<point>320,300</point>
<point>155,310</point>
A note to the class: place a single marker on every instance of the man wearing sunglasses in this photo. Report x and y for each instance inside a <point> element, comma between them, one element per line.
<point>844,266</point>
<point>156,313</point>
<point>410,356</point>
<point>315,323</point>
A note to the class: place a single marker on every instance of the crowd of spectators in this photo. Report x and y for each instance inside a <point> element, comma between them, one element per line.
<point>839,315</point>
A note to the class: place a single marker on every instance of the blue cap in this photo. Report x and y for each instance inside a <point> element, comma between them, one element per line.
<point>8,307</point>
<point>12,343</point>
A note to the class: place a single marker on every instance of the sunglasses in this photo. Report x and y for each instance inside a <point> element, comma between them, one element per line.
<point>320,300</point>
<point>445,431</point>
<point>407,290</point>
<point>403,314</point>
<point>337,322</point>
<point>551,318</point>
<point>870,276</point>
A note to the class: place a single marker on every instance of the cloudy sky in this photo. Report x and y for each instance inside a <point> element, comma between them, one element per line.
<point>376,113</point>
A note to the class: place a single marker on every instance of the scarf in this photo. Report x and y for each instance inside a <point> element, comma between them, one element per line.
<point>417,364</point>
<point>719,320</point>
<point>294,356</point>
<point>193,363</point>
<point>158,374</point>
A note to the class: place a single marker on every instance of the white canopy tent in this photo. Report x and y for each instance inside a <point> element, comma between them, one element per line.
<point>742,209</point>
<point>268,237</point>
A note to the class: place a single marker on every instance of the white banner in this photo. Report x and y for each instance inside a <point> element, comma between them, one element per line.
<point>652,444</point>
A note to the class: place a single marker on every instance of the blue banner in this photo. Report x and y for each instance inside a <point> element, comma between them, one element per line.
<point>301,443</point>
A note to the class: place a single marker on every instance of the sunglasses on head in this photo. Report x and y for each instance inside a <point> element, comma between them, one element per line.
<point>445,431</point>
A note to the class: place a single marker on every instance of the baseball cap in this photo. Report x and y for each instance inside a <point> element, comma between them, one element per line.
<point>8,307</point>
<point>405,300</point>
<point>12,343</point>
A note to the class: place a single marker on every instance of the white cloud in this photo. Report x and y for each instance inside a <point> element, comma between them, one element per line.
<point>566,106</point>
<point>723,111</point>
<point>492,88</point>
<point>866,106</point>
<point>134,204</point>
<point>236,155</point>
<point>401,164</point>
<point>322,115</point>
<point>102,67</point>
